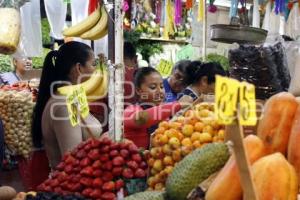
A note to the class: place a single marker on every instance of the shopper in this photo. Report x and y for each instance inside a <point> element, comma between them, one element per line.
<point>51,124</point>
<point>201,78</point>
<point>19,65</point>
<point>176,82</point>
<point>141,119</point>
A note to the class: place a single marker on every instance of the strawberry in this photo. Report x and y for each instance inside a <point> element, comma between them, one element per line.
<point>139,173</point>
<point>88,182</point>
<point>58,190</point>
<point>88,171</point>
<point>119,184</point>
<point>81,145</point>
<point>97,164</point>
<point>104,149</point>
<point>108,196</point>
<point>127,173</point>
<point>86,192</point>
<point>68,169</point>
<point>118,161</point>
<point>96,194</point>
<point>62,177</point>
<point>106,141</point>
<point>76,169</point>
<point>143,165</point>
<point>115,146</point>
<point>113,153</point>
<point>109,186</point>
<point>60,166</point>
<point>76,178</point>
<point>85,162</point>
<point>124,153</point>
<point>81,154</point>
<point>107,166</point>
<point>132,165</point>
<point>48,189</point>
<point>107,176</point>
<point>97,173</point>
<point>97,183</point>
<point>133,148</point>
<point>70,160</point>
<point>76,187</point>
<point>136,157</point>
<point>94,154</point>
<point>65,156</point>
<point>64,185</point>
<point>124,145</point>
<point>55,174</point>
<point>88,147</point>
<point>76,163</point>
<point>53,183</point>
<point>104,157</point>
<point>117,171</point>
<point>95,143</point>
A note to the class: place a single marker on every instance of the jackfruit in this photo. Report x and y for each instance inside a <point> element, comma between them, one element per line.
<point>195,168</point>
<point>148,195</point>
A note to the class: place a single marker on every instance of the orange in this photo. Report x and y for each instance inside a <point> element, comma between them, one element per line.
<point>205,138</point>
<point>168,160</point>
<point>164,124</point>
<point>171,133</point>
<point>185,150</point>
<point>155,141</point>
<point>180,119</point>
<point>195,136</point>
<point>215,139</point>
<point>186,142</point>
<point>180,136</point>
<point>159,186</point>
<point>175,125</point>
<point>151,181</point>
<point>158,165</point>
<point>151,162</point>
<point>160,130</point>
<point>192,121</point>
<point>208,129</point>
<point>187,130</point>
<point>199,126</point>
<point>215,125</point>
<point>163,139</point>
<point>189,114</point>
<point>153,171</point>
<point>176,155</point>
<point>174,142</point>
<point>221,134</point>
<point>169,169</point>
<point>197,144</point>
<point>167,149</point>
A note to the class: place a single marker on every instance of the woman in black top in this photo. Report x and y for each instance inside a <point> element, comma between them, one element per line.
<point>201,78</point>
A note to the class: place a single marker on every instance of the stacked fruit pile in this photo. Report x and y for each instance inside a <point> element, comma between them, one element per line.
<point>94,27</point>
<point>175,139</point>
<point>96,169</point>
<point>16,108</point>
<point>46,196</point>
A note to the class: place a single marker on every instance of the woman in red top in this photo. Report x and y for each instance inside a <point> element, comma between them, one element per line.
<point>141,119</point>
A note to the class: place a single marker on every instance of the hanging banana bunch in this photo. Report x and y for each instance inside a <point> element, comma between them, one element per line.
<point>94,27</point>
<point>96,87</point>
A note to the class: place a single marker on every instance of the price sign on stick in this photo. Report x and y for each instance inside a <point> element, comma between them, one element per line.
<point>165,68</point>
<point>77,105</point>
<point>235,106</point>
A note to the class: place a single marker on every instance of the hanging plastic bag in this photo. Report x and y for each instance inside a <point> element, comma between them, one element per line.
<point>295,82</point>
<point>293,22</point>
<point>10,28</point>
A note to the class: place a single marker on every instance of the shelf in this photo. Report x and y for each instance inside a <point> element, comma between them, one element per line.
<point>164,40</point>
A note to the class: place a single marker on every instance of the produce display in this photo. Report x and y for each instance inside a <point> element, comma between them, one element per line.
<point>148,195</point>
<point>16,108</point>
<point>175,139</point>
<point>97,169</point>
<point>47,196</point>
<point>94,27</point>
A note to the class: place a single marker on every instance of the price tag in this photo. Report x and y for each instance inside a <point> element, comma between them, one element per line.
<point>77,104</point>
<point>247,113</point>
<point>186,52</point>
<point>165,68</point>
<point>229,92</point>
<point>226,99</point>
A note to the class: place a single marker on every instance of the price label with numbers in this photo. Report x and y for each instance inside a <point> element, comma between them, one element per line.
<point>77,105</point>
<point>165,68</point>
<point>229,94</point>
<point>186,52</point>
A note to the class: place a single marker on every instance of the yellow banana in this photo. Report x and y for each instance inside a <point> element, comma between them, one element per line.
<point>84,25</point>
<point>100,29</point>
<point>101,90</point>
<point>88,85</point>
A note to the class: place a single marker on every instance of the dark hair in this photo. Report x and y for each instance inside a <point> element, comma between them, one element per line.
<point>181,66</point>
<point>141,73</point>
<point>196,70</point>
<point>129,50</point>
<point>57,67</point>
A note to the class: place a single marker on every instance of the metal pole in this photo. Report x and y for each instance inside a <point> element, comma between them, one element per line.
<point>204,30</point>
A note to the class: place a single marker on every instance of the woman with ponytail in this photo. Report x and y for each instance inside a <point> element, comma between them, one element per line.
<point>201,78</point>
<point>51,128</point>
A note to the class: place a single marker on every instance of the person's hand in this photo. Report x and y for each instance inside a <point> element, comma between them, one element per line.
<point>185,101</point>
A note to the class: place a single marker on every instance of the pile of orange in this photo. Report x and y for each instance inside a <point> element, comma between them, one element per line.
<point>175,139</point>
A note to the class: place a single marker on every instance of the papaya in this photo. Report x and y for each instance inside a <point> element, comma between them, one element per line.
<point>275,126</point>
<point>293,147</point>
<point>228,180</point>
<point>275,178</point>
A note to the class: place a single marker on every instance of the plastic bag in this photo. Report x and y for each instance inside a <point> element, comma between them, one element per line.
<point>257,65</point>
<point>295,82</point>
<point>293,22</point>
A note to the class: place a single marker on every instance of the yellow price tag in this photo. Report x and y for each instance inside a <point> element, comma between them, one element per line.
<point>165,68</point>
<point>77,104</point>
<point>226,99</point>
<point>247,111</point>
